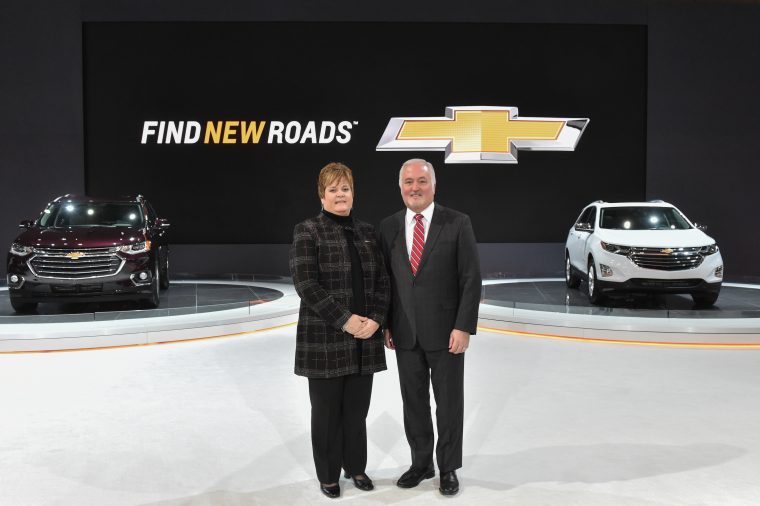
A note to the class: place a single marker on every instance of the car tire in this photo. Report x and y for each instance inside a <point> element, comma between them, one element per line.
<point>594,294</point>
<point>705,299</point>
<point>23,307</point>
<point>155,293</point>
<point>571,278</point>
<point>165,271</point>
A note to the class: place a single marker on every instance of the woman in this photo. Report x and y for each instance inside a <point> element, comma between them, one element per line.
<point>339,274</point>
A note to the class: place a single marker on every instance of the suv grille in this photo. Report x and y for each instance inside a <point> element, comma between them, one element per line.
<point>678,259</point>
<point>75,263</point>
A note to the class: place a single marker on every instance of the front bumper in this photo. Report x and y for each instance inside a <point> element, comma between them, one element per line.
<point>125,285</point>
<point>658,285</point>
<point>625,272</point>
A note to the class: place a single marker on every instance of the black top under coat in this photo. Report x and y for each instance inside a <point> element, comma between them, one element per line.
<point>358,305</point>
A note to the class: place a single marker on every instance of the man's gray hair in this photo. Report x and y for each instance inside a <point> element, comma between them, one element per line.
<point>415,161</point>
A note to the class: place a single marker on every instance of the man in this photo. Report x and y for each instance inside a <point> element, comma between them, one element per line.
<point>432,258</point>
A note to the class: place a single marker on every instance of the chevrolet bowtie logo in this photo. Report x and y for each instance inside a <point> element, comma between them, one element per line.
<point>482,134</point>
<point>667,251</point>
<point>74,255</point>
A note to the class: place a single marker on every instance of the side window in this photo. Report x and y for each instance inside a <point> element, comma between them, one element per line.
<point>592,217</point>
<point>584,216</point>
<point>151,213</point>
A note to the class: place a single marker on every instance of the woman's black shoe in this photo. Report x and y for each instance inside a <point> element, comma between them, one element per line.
<point>332,491</point>
<point>361,483</point>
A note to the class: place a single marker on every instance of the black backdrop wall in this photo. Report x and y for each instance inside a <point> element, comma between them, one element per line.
<point>247,192</point>
<point>700,115</point>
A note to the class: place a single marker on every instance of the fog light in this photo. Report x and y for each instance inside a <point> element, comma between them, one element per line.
<point>719,272</point>
<point>14,279</point>
<point>143,276</point>
<point>605,270</point>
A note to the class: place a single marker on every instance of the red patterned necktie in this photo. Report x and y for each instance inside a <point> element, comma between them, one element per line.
<point>417,244</point>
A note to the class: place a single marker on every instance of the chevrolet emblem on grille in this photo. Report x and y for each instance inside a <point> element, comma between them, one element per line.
<point>74,255</point>
<point>667,251</point>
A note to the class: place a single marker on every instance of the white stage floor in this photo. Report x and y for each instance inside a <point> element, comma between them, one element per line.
<point>225,422</point>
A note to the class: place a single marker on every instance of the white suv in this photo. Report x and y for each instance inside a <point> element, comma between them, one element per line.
<point>641,247</point>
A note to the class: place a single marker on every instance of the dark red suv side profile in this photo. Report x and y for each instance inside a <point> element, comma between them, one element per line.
<point>88,249</point>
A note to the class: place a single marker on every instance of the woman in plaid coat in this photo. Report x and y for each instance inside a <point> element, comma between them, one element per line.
<point>338,272</point>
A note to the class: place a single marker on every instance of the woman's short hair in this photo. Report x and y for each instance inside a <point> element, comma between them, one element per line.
<point>332,172</point>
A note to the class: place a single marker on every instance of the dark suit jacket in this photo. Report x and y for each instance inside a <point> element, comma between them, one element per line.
<point>320,264</point>
<point>445,293</point>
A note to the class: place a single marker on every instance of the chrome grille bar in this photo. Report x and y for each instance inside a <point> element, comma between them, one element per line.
<point>76,268</point>
<point>62,252</point>
<point>75,274</point>
<point>667,259</point>
<point>81,261</point>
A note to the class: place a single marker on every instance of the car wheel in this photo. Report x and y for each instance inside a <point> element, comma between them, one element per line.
<point>705,298</point>
<point>594,294</point>
<point>165,271</point>
<point>571,278</point>
<point>23,307</point>
<point>155,295</point>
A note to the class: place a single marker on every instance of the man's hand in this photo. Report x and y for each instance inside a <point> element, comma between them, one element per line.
<point>368,329</point>
<point>354,324</point>
<point>459,341</point>
<point>388,340</point>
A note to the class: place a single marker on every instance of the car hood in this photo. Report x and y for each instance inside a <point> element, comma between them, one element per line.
<point>79,237</point>
<point>655,238</point>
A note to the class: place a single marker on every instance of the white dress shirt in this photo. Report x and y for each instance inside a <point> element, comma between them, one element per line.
<point>427,215</point>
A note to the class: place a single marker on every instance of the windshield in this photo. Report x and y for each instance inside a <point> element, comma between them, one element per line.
<point>642,218</point>
<point>92,214</point>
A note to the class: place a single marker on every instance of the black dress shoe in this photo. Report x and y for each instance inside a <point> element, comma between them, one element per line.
<point>449,483</point>
<point>361,483</point>
<point>333,492</point>
<point>414,476</point>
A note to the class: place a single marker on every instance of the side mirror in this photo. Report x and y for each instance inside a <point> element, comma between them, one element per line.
<point>700,227</point>
<point>162,223</point>
<point>26,224</point>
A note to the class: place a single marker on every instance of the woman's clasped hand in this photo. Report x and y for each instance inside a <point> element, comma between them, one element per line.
<point>361,327</point>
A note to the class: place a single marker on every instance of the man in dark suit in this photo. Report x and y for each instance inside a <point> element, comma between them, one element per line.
<point>432,257</point>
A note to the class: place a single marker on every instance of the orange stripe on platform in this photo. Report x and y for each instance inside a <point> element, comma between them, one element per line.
<point>95,348</point>
<point>595,340</point>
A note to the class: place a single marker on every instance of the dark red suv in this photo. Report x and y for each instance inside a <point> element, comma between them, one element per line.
<point>87,249</point>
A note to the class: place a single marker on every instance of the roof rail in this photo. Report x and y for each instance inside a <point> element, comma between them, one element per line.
<point>657,201</point>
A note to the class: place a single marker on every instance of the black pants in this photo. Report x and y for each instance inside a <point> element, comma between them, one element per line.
<point>416,369</point>
<point>339,409</point>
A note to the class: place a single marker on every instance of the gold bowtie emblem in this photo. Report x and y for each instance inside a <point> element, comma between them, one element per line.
<point>74,255</point>
<point>482,134</point>
<point>667,251</point>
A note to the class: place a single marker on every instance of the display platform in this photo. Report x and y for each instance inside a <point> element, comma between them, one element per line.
<point>190,309</point>
<point>547,308</point>
<point>222,306</point>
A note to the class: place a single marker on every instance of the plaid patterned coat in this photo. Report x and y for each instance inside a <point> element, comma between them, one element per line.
<point>320,264</point>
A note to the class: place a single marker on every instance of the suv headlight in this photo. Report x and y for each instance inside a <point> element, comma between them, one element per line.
<point>614,248</point>
<point>138,247</point>
<point>22,251</point>
<point>708,250</point>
